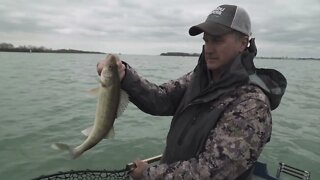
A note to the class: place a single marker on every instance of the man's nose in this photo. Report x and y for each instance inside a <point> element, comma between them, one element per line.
<point>209,48</point>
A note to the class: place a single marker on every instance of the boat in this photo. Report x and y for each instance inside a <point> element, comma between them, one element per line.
<point>261,172</point>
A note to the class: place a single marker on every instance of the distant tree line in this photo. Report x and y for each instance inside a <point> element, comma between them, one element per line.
<point>197,55</point>
<point>178,54</point>
<point>291,58</point>
<point>7,47</point>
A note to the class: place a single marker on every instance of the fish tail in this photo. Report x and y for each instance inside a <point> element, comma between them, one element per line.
<point>61,146</point>
<point>64,147</point>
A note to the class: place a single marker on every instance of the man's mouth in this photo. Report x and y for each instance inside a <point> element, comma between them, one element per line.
<point>211,59</point>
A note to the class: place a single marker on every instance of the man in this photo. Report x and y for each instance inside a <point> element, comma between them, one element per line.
<point>221,110</point>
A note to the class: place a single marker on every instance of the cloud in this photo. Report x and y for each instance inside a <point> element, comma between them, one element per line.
<point>281,28</point>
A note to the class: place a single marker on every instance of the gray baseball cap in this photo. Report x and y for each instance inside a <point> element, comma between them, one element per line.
<point>224,19</point>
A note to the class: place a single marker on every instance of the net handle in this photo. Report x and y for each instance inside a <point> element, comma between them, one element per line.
<point>153,159</point>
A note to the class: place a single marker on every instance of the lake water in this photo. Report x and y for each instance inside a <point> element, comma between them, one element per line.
<point>43,100</point>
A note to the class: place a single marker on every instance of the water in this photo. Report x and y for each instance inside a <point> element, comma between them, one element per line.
<point>43,100</point>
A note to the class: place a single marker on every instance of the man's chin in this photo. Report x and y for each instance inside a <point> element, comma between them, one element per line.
<point>212,66</point>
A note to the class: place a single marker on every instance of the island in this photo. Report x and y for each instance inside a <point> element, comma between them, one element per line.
<point>7,47</point>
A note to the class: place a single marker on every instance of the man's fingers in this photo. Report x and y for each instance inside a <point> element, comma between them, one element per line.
<point>121,67</point>
<point>99,68</point>
<point>102,63</point>
<point>136,173</point>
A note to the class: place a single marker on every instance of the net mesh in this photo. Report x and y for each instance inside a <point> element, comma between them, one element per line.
<point>87,175</point>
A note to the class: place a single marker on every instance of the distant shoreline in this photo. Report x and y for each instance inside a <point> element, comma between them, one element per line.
<point>65,51</point>
<point>74,51</point>
<point>262,57</point>
<point>7,47</point>
<point>179,54</point>
<point>291,58</point>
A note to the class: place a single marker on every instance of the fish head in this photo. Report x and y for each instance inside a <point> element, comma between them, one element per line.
<point>110,69</point>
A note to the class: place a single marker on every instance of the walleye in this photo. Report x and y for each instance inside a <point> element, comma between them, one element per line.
<point>108,108</point>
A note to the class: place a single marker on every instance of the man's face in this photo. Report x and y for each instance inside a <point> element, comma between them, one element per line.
<point>221,50</point>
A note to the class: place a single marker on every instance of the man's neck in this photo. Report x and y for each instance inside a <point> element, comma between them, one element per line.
<point>216,75</point>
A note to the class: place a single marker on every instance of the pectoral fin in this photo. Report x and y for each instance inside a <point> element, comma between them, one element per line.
<point>87,131</point>
<point>94,91</point>
<point>124,101</point>
<point>110,134</point>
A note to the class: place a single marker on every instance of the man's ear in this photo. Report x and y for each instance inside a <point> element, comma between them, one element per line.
<point>244,43</point>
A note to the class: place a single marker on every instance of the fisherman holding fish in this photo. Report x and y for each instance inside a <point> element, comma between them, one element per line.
<point>221,110</point>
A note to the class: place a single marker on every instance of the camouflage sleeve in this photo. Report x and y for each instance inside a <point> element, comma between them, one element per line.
<point>231,148</point>
<point>160,100</point>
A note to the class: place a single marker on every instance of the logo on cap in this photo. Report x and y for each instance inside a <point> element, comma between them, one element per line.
<point>218,11</point>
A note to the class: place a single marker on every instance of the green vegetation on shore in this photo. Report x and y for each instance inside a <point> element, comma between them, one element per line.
<point>261,57</point>
<point>179,54</point>
<point>292,58</point>
<point>7,47</point>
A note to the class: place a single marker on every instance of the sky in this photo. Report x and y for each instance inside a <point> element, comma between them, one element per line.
<point>285,28</point>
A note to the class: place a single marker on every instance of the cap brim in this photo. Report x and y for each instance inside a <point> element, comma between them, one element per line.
<point>211,28</point>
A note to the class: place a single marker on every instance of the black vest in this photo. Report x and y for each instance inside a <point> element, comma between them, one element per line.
<point>195,116</point>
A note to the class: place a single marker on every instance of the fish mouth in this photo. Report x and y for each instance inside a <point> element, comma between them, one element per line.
<point>106,74</point>
<point>105,78</point>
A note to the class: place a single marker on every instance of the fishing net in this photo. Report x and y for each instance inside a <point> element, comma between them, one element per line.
<point>96,174</point>
<point>88,175</point>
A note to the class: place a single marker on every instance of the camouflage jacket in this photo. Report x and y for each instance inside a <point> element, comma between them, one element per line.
<point>232,141</point>
<point>232,146</point>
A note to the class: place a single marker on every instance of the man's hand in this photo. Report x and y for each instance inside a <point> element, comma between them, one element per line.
<point>121,67</point>
<point>136,174</point>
